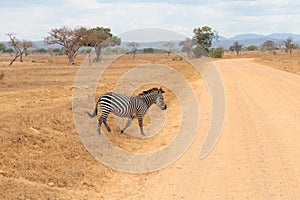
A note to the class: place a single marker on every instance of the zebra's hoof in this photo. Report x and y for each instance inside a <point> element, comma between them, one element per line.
<point>122,131</point>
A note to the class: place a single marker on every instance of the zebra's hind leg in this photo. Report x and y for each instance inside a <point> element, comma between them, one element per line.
<point>107,127</point>
<point>127,124</point>
<point>99,126</point>
<point>101,119</point>
<point>141,126</point>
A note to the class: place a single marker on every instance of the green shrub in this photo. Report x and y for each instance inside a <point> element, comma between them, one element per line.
<point>217,53</point>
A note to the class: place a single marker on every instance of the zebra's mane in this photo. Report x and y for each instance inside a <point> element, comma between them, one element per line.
<point>149,91</point>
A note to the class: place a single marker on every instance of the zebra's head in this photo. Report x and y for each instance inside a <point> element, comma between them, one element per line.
<point>160,99</point>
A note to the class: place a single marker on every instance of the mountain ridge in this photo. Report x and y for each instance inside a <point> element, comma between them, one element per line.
<point>244,39</point>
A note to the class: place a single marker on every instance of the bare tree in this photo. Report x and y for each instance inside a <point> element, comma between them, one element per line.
<point>20,47</point>
<point>169,47</point>
<point>280,44</point>
<point>187,46</point>
<point>70,39</point>
<point>133,46</point>
<point>289,44</point>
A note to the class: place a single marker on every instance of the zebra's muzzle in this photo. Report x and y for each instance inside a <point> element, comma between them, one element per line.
<point>165,107</point>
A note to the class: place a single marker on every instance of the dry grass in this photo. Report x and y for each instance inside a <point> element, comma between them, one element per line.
<point>41,155</point>
<point>278,59</point>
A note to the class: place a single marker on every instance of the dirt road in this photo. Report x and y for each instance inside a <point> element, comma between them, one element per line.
<point>257,156</point>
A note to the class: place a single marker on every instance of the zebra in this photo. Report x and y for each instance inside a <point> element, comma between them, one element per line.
<point>128,106</point>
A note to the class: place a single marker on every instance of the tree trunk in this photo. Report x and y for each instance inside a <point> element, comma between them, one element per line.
<point>98,50</point>
<point>13,60</point>
<point>71,58</point>
<point>21,57</point>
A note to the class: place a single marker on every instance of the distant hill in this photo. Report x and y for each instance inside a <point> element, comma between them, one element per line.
<point>244,39</point>
<point>36,44</point>
<point>255,39</point>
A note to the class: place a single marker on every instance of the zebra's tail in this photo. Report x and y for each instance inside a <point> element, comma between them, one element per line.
<point>95,111</point>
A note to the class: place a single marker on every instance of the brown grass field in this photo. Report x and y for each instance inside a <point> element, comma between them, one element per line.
<point>278,59</point>
<point>41,154</point>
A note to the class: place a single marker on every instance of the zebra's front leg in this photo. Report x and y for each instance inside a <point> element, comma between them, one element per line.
<point>140,119</point>
<point>127,124</point>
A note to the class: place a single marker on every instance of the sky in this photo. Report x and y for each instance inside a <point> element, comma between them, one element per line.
<point>33,19</point>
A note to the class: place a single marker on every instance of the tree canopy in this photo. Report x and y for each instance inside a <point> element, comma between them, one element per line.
<point>99,38</point>
<point>73,39</point>
<point>204,36</point>
<point>70,39</point>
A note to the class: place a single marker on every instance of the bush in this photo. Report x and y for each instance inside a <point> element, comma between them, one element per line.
<point>177,58</point>
<point>40,51</point>
<point>9,50</point>
<point>148,50</point>
<point>217,53</point>
<point>252,48</point>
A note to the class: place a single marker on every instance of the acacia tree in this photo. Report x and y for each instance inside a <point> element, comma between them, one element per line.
<point>169,46</point>
<point>133,48</point>
<point>269,45</point>
<point>100,38</point>
<point>237,48</point>
<point>289,44</point>
<point>20,47</point>
<point>204,36</point>
<point>70,39</point>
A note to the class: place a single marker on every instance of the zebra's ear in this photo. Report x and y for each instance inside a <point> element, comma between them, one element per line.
<point>161,90</point>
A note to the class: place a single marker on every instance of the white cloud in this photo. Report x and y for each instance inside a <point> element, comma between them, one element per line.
<point>228,18</point>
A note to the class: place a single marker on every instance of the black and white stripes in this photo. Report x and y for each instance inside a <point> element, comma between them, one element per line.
<point>128,106</point>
